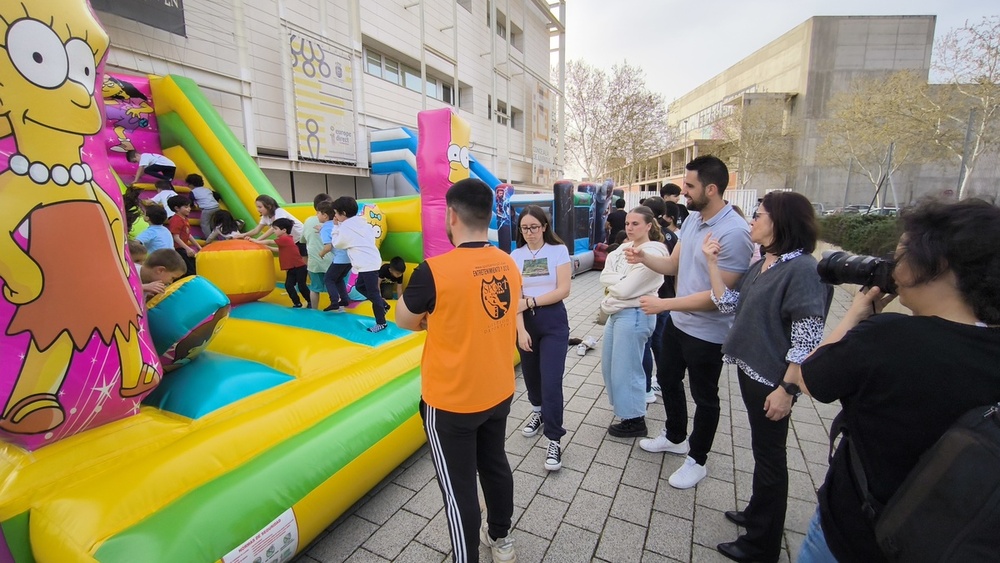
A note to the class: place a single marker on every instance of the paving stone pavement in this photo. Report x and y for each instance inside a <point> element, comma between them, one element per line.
<point>610,501</point>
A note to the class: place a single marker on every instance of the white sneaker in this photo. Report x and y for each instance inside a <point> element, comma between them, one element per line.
<point>581,350</point>
<point>656,389</point>
<point>502,549</point>
<point>688,475</point>
<point>662,444</point>
<point>590,341</point>
<point>650,397</point>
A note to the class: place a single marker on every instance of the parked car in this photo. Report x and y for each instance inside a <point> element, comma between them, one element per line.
<point>890,211</point>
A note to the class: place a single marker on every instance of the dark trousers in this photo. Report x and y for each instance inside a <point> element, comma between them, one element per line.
<point>462,444</point>
<point>161,172</point>
<point>703,362</point>
<point>654,348</point>
<point>189,262</point>
<point>769,497</point>
<point>335,283</point>
<point>544,365</point>
<point>297,277</point>
<point>367,284</point>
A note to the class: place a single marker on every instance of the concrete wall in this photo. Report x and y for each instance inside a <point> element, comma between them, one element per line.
<point>237,52</point>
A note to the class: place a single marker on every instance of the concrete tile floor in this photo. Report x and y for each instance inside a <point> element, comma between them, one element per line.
<point>610,501</point>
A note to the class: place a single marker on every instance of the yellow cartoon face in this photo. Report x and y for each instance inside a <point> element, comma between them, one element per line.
<point>458,150</point>
<point>49,65</point>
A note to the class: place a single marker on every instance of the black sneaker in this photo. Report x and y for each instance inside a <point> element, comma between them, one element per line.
<point>386,307</point>
<point>532,425</point>
<point>629,428</point>
<point>553,458</point>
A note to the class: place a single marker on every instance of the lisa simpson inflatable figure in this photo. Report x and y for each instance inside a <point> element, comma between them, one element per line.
<point>70,279</point>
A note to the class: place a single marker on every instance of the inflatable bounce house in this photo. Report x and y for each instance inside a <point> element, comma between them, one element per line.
<point>210,422</point>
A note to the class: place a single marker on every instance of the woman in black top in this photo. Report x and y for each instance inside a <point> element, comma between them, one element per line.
<point>903,380</point>
<point>781,307</point>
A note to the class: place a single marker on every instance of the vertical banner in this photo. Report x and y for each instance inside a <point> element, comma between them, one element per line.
<point>541,137</point>
<point>505,217</point>
<point>323,84</point>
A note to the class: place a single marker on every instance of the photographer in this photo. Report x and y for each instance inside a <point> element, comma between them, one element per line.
<point>903,380</point>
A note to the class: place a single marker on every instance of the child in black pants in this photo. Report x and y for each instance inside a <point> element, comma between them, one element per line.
<point>290,261</point>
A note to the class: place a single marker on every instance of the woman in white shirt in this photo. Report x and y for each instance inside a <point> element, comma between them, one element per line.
<point>542,325</point>
<point>628,328</point>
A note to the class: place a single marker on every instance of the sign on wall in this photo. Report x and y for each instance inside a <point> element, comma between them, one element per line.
<point>323,84</point>
<point>167,15</point>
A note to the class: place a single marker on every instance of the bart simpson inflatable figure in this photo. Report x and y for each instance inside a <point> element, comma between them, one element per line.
<point>62,238</point>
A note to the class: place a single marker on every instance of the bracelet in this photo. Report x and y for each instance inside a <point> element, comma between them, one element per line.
<point>534,302</point>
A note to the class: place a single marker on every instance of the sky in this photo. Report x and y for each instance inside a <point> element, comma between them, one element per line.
<point>682,43</point>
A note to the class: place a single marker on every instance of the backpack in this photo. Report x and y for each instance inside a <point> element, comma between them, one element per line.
<point>948,507</point>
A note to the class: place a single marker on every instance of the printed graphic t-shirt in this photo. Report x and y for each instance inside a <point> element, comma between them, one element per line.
<point>538,269</point>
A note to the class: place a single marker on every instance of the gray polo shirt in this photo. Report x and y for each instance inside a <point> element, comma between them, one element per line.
<point>733,233</point>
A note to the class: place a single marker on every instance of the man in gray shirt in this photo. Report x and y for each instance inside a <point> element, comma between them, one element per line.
<point>692,339</point>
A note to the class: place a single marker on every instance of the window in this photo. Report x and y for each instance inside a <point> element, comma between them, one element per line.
<point>373,64</point>
<point>465,97</point>
<point>516,119</point>
<point>502,117</point>
<point>516,37</point>
<point>411,79</point>
<point>501,30</point>
<point>408,77</point>
<point>391,71</point>
<point>467,4</point>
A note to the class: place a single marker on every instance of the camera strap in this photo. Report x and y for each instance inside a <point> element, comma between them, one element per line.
<point>869,504</point>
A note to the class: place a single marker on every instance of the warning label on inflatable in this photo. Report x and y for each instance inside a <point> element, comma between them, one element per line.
<point>276,543</point>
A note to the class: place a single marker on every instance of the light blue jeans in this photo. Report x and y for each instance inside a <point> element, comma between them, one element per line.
<point>625,336</point>
<point>814,548</point>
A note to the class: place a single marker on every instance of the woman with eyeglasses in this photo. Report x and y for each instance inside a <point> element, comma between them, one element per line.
<point>780,306</point>
<point>542,325</point>
<point>628,328</point>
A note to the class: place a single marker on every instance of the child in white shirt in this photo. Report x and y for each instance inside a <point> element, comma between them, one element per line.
<point>355,235</point>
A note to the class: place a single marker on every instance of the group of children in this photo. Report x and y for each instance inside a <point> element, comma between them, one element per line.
<point>316,256</point>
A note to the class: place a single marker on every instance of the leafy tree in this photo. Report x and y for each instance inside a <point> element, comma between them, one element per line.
<point>968,58</point>
<point>611,118</point>
<point>760,133</point>
<point>874,114</point>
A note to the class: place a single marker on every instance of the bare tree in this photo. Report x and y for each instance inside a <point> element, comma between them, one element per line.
<point>968,108</point>
<point>611,118</point>
<point>874,114</point>
<point>759,134</point>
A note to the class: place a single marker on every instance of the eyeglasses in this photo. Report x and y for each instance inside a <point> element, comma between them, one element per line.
<point>756,214</point>
<point>531,228</point>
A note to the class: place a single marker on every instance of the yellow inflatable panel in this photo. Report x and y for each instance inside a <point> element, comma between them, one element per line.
<point>403,214</point>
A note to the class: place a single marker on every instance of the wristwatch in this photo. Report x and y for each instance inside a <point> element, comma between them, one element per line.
<point>790,388</point>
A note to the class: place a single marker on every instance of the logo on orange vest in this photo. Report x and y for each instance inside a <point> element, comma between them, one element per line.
<point>496,297</point>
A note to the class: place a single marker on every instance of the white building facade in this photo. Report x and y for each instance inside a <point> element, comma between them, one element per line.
<point>281,72</point>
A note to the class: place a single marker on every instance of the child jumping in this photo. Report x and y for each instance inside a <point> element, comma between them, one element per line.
<point>340,265</point>
<point>355,235</point>
<point>290,261</point>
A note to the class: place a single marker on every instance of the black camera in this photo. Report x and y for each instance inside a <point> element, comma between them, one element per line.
<point>867,271</point>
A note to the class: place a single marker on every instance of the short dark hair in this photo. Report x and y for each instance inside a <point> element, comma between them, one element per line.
<point>549,235</point>
<point>472,201</point>
<point>195,180</point>
<point>620,204</point>
<point>283,223</point>
<point>130,155</point>
<point>672,210</point>
<point>398,264</point>
<point>325,207</point>
<point>711,170</point>
<point>319,199</point>
<point>670,190</point>
<point>177,201</point>
<point>962,237</point>
<point>168,258</point>
<point>656,205</point>
<point>347,205</point>
<point>793,221</point>
<point>137,251</point>
<point>163,185</point>
<point>156,214</point>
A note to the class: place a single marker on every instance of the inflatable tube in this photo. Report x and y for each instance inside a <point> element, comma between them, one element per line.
<point>563,213</point>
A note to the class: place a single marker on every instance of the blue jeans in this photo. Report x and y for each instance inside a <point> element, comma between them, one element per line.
<point>814,548</point>
<point>654,347</point>
<point>625,336</point>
